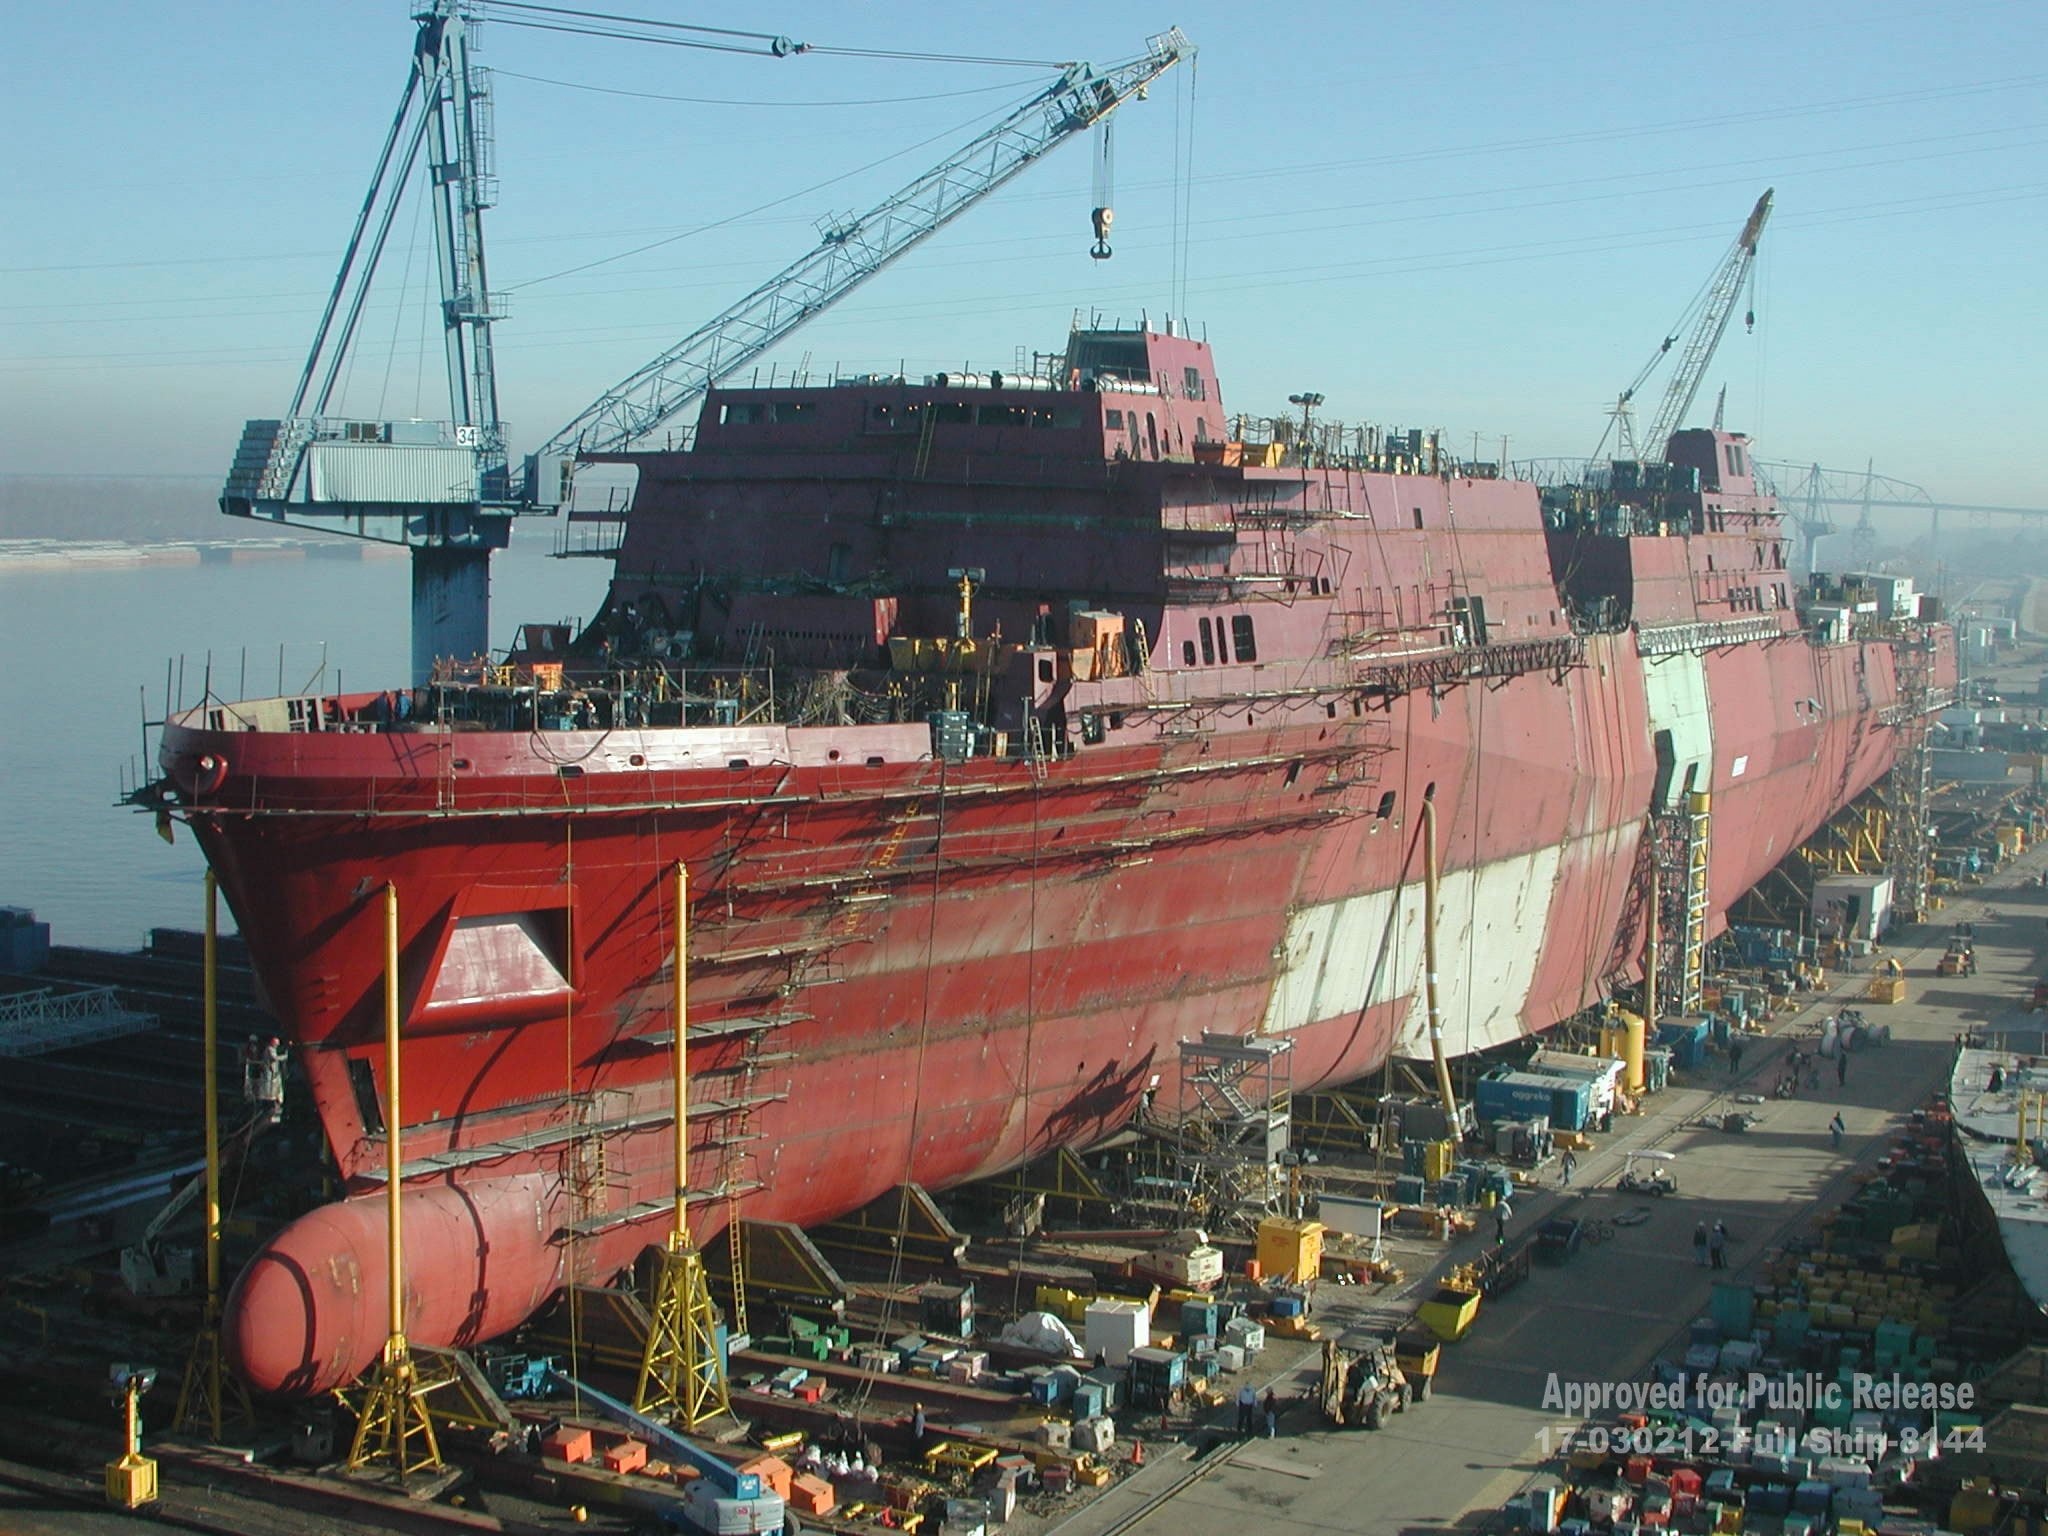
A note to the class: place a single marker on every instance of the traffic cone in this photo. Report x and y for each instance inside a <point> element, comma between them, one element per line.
<point>1137,1453</point>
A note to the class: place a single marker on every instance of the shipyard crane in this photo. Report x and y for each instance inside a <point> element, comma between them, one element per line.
<point>444,489</point>
<point>1708,315</point>
<point>849,252</point>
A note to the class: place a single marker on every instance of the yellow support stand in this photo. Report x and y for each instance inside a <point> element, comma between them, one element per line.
<point>131,1481</point>
<point>393,1414</point>
<point>204,1388</point>
<point>681,1374</point>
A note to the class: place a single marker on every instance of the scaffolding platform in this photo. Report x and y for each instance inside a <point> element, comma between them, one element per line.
<point>45,1019</point>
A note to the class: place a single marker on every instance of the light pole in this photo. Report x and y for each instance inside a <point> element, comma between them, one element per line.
<point>1308,402</point>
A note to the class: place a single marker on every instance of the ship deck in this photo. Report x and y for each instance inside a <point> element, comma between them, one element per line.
<point>1987,1120</point>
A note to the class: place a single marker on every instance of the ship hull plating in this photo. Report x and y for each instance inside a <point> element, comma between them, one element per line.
<point>906,969</point>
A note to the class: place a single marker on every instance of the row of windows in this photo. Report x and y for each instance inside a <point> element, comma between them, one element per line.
<point>1751,599</point>
<point>887,416</point>
<point>1238,645</point>
<point>763,413</point>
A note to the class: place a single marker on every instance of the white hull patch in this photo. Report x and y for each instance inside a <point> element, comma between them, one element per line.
<point>1344,957</point>
<point>1675,689</point>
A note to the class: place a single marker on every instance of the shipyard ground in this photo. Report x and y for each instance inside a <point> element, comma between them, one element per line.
<point>1447,1465</point>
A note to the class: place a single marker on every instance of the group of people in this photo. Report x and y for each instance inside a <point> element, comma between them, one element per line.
<point>1710,1248</point>
<point>1250,1407</point>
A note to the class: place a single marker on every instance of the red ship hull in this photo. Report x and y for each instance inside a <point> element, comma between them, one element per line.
<point>909,964</point>
<point>1042,948</point>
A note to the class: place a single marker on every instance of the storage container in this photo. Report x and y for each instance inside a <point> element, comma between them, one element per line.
<point>1114,1328</point>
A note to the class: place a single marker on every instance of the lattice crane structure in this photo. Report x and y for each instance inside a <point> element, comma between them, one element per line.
<point>1704,323</point>
<point>444,489</point>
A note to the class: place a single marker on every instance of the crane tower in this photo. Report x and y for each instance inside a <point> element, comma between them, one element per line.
<point>444,489</point>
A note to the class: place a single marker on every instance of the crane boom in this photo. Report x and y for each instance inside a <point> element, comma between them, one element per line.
<point>1708,329</point>
<point>850,252</point>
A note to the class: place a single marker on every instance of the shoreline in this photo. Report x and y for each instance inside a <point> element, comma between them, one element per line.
<point>43,554</point>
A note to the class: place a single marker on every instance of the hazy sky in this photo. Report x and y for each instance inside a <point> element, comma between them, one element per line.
<point>1479,216</point>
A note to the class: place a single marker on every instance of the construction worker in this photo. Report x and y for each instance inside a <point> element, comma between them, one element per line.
<point>263,1077</point>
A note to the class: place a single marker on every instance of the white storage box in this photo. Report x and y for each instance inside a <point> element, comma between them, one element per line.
<point>1245,1334</point>
<point>1115,1328</point>
<point>1096,1435</point>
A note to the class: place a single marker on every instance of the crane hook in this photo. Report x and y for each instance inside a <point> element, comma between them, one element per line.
<point>1103,218</point>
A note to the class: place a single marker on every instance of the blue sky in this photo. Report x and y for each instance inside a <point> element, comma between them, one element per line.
<point>1476,216</point>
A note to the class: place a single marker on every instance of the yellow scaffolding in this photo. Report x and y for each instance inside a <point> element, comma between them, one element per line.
<point>393,1415</point>
<point>681,1374</point>
<point>204,1390</point>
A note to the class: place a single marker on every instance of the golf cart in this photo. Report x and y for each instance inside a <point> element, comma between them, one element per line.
<point>1645,1173</point>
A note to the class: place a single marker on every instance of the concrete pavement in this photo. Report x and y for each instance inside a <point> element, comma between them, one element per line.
<point>1612,1308</point>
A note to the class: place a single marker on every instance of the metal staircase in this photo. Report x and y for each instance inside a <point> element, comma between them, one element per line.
<point>1681,849</point>
<point>1236,1115</point>
<point>1910,788</point>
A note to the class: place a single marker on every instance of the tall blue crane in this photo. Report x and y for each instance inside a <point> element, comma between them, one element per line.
<point>848,253</point>
<point>443,488</point>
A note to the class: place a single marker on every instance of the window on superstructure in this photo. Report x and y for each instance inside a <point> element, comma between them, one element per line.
<point>1042,419</point>
<point>1208,646</point>
<point>1386,808</point>
<point>1152,433</point>
<point>1192,385</point>
<point>1222,641</point>
<point>837,560</point>
<point>739,413</point>
<point>1241,640</point>
<point>1187,653</point>
<point>1001,415</point>
<point>1113,419</point>
<point>954,413</point>
<point>1131,421</point>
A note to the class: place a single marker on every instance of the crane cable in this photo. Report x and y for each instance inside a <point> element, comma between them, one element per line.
<point>748,213</point>
<point>720,101</point>
<point>735,41</point>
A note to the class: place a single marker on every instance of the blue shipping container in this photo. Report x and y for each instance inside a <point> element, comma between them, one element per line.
<point>1508,1095</point>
